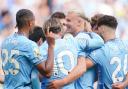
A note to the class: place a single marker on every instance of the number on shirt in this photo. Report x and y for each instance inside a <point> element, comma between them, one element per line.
<point>117,60</point>
<point>10,60</point>
<point>59,64</point>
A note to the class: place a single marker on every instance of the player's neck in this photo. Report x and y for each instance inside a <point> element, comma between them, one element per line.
<point>77,32</point>
<point>109,36</point>
<point>24,32</point>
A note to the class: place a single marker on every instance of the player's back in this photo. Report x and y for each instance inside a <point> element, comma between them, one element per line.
<point>16,56</point>
<point>65,58</point>
<point>113,63</point>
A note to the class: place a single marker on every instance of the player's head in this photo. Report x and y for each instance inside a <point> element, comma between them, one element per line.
<point>107,24</point>
<point>53,25</point>
<point>75,21</point>
<point>87,23</point>
<point>94,20</point>
<point>25,19</point>
<point>37,35</point>
<point>61,16</point>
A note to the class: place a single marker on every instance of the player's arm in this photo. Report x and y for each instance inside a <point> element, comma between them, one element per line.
<point>81,67</point>
<point>40,77</point>
<point>121,85</point>
<point>95,42</point>
<point>126,81</point>
<point>46,66</point>
<point>90,44</point>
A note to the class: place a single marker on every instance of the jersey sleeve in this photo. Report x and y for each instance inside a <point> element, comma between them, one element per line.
<point>88,41</point>
<point>97,56</point>
<point>33,53</point>
<point>95,42</point>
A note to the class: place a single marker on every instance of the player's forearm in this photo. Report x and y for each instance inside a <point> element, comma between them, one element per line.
<point>50,61</point>
<point>78,71</point>
<point>126,81</point>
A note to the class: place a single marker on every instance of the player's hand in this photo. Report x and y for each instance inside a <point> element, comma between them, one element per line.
<point>118,86</point>
<point>50,37</point>
<point>56,84</point>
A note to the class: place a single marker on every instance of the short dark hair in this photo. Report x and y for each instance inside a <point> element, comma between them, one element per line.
<point>59,15</point>
<point>107,20</point>
<point>37,34</point>
<point>23,16</point>
<point>53,24</point>
<point>95,18</point>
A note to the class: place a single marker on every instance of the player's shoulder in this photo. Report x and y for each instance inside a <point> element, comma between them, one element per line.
<point>7,41</point>
<point>30,45</point>
<point>68,36</point>
<point>24,42</point>
<point>82,35</point>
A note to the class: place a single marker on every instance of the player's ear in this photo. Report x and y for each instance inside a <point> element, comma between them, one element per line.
<point>30,23</point>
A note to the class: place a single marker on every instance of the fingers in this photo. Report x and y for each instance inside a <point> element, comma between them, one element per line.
<point>51,34</point>
<point>47,31</point>
<point>116,86</point>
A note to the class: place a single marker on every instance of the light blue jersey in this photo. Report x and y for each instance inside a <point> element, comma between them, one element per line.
<point>112,61</point>
<point>65,58</point>
<point>19,55</point>
<point>63,65</point>
<point>86,81</point>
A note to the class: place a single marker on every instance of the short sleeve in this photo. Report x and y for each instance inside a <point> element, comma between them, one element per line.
<point>94,42</point>
<point>33,53</point>
<point>81,40</point>
<point>97,56</point>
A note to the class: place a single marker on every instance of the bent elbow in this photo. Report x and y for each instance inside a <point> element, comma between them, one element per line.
<point>48,72</point>
<point>48,75</point>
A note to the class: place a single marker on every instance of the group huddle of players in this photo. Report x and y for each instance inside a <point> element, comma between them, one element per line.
<point>67,52</point>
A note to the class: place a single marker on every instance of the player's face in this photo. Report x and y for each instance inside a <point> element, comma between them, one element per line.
<point>63,22</point>
<point>71,22</point>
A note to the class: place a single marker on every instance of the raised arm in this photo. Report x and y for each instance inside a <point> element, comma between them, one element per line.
<point>46,66</point>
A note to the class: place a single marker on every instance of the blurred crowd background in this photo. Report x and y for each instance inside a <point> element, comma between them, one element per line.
<point>44,8</point>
